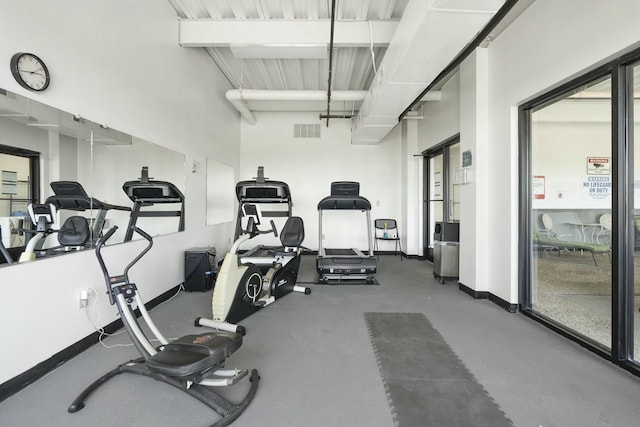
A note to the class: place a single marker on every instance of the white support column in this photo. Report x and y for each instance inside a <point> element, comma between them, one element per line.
<point>54,156</point>
<point>411,177</point>
<point>474,215</point>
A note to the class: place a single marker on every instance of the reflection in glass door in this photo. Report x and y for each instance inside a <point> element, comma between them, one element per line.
<point>442,188</point>
<point>571,211</point>
<point>434,206</point>
<point>453,214</point>
<point>635,229</point>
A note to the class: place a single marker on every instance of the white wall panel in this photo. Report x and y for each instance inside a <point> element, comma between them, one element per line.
<point>309,165</point>
<point>116,63</point>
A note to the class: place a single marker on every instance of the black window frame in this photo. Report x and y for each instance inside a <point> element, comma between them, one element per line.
<point>620,70</point>
<point>34,180</point>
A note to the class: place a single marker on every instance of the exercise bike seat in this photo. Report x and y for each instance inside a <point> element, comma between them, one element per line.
<point>193,356</point>
<point>292,234</point>
<point>74,231</point>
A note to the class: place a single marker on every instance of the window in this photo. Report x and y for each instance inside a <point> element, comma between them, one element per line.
<point>19,188</point>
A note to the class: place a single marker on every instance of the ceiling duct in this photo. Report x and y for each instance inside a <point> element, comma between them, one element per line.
<point>239,98</point>
<point>430,34</point>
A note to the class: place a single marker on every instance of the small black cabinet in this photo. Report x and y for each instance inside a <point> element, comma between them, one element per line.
<point>200,269</point>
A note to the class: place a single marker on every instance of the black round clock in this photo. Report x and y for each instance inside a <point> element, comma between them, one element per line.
<point>30,71</point>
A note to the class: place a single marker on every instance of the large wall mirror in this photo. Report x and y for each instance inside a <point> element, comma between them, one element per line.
<point>81,166</point>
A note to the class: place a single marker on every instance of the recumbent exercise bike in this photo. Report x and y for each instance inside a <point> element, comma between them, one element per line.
<point>193,363</point>
<point>255,279</point>
<point>72,235</point>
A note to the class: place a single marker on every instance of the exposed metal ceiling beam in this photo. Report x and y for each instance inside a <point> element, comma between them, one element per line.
<point>225,32</point>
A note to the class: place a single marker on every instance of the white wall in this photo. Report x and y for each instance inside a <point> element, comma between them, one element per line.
<point>441,118</point>
<point>309,165</point>
<point>550,43</point>
<point>125,70</point>
<point>545,46</point>
<point>474,208</point>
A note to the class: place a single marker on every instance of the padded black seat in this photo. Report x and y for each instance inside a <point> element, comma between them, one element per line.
<point>292,234</point>
<point>193,355</point>
<point>74,231</point>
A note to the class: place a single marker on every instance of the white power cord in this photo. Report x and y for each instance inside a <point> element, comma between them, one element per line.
<point>101,330</point>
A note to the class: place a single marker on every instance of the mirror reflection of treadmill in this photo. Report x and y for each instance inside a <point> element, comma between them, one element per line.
<point>147,192</point>
<point>70,195</point>
<point>341,265</point>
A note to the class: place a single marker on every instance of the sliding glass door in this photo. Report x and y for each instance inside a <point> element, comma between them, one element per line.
<point>634,229</point>
<point>580,205</point>
<point>571,211</point>
<point>442,188</point>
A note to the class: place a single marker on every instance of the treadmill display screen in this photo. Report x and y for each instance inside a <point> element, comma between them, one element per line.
<point>262,193</point>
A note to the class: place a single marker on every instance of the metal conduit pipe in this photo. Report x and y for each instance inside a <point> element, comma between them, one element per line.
<point>333,21</point>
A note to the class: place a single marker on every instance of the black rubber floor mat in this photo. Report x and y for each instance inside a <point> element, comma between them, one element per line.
<point>426,383</point>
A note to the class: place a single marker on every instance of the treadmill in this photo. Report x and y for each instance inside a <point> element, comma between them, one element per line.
<point>147,192</point>
<point>345,265</point>
<point>70,195</point>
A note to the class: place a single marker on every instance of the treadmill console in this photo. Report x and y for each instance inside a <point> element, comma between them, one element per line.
<point>265,192</point>
<point>153,192</point>
<point>345,188</point>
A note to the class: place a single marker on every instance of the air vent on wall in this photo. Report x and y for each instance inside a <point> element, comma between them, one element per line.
<point>303,130</point>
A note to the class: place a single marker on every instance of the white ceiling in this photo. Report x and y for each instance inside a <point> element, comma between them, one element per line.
<point>352,64</point>
<point>275,53</point>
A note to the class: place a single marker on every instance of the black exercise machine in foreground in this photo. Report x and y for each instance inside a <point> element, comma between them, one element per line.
<point>192,364</point>
<point>345,265</point>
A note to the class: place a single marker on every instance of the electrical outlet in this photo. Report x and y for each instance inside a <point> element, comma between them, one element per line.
<point>84,298</point>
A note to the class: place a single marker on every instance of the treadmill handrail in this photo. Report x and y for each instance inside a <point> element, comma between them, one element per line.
<point>82,203</point>
<point>344,203</point>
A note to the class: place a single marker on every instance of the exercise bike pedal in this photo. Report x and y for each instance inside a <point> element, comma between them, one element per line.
<point>224,377</point>
<point>263,302</point>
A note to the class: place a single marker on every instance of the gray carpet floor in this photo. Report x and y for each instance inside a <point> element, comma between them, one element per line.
<point>572,290</point>
<point>318,367</point>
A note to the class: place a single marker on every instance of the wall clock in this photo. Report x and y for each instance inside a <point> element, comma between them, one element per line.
<point>30,71</point>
